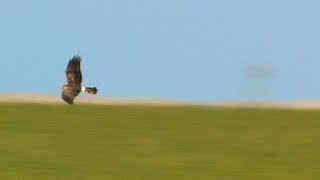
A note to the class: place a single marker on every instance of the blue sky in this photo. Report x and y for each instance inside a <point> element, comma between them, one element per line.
<point>172,49</point>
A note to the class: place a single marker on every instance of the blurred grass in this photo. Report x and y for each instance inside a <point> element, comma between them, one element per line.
<point>153,142</point>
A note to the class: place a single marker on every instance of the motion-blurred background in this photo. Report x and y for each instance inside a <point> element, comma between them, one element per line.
<point>198,51</point>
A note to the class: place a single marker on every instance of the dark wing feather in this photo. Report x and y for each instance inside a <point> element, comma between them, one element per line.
<point>69,93</point>
<point>66,97</point>
<point>73,71</point>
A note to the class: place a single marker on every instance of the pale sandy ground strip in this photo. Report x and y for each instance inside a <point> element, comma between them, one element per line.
<point>89,99</point>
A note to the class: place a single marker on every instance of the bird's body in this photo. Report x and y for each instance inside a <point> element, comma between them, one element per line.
<point>73,86</point>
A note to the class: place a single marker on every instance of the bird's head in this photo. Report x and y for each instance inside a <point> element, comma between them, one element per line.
<point>64,86</point>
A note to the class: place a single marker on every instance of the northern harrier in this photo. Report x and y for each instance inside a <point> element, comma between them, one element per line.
<point>74,79</point>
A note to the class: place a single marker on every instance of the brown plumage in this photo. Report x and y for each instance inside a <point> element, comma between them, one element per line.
<point>74,79</point>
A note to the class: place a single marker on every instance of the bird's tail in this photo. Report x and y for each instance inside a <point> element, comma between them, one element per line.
<point>89,90</point>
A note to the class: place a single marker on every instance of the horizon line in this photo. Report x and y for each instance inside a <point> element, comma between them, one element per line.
<point>47,98</point>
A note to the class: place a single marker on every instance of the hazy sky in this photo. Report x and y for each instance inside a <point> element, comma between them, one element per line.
<point>175,49</point>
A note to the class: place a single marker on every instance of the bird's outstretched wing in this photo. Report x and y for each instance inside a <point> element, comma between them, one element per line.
<point>73,71</point>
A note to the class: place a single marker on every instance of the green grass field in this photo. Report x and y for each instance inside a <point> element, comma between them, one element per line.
<point>154,142</point>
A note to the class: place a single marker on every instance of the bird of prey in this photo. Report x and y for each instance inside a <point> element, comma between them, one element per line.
<point>74,79</point>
